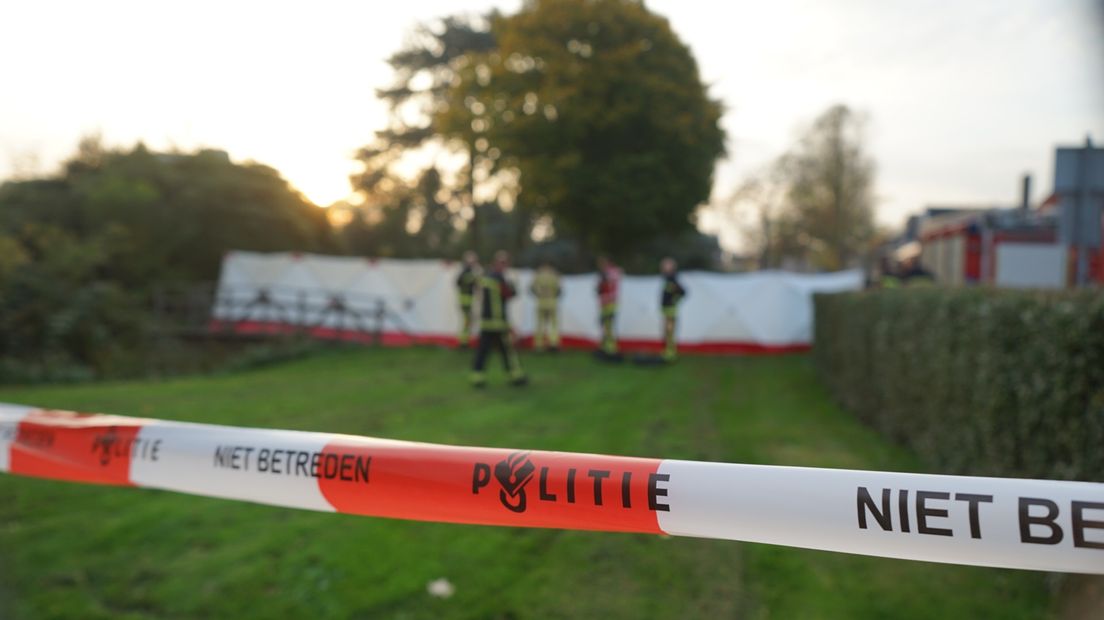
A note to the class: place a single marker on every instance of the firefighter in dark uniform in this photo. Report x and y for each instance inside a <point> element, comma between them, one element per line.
<point>465,292</point>
<point>494,326</point>
<point>669,300</point>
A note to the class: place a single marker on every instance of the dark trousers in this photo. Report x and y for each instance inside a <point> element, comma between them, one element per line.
<point>503,342</point>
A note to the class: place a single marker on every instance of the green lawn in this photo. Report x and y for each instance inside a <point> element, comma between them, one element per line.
<point>69,550</point>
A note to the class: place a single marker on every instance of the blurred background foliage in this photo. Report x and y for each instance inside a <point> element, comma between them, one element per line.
<point>83,250</point>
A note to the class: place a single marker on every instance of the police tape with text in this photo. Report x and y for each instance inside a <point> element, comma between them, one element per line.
<point>1002,522</point>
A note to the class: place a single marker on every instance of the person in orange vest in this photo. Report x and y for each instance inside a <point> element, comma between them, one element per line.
<point>609,281</point>
<point>494,324</point>
<point>465,292</point>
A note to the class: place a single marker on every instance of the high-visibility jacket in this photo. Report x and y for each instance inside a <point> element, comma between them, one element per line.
<point>672,295</point>
<point>546,288</point>
<point>608,282</point>
<point>465,285</point>
<point>496,290</point>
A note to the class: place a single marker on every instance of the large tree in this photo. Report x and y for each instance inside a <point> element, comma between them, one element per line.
<point>815,205</point>
<point>606,119</point>
<point>830,189</point>
<point>587,115</point>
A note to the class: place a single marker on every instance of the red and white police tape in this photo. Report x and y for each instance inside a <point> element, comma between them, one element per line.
<point>1002,522</point>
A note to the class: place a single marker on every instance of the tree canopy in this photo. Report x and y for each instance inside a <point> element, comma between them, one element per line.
<point>816,203</point>
<point>80,250</point>
<point>830,184</point>
<point>588,114</point>
<point>171,216</point>
<point>611,129</point>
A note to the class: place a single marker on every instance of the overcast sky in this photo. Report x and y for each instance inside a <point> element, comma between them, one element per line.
<point>963,96</point>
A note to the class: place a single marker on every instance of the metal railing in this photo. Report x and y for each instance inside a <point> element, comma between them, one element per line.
<point>207,310</point>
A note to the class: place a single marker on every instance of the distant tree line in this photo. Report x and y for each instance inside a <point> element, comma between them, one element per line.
<point>81,251</point>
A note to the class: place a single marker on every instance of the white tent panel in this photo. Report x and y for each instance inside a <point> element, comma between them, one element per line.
<point>777,313</point>
<point>523,309</point>
<point>579,306</point>
<point>244,275</point>
<point>265,269</point>
<point>711,310</point>
<point>422,296</point>
<point>296,279</point>
<point>336,273</point>
<point>240,269</point>
<point>420,300</point>
<point>370,285</point>
<point>638,312</point>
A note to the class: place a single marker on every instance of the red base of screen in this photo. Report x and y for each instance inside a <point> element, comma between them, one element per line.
<point>400,339</point>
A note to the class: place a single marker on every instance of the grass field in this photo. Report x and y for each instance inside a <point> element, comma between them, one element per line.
<point>69,550</point>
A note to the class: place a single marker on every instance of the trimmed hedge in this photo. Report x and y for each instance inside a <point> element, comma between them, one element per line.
<point>977,381</point>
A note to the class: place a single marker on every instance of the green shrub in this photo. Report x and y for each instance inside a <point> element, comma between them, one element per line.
<point>976,381</point>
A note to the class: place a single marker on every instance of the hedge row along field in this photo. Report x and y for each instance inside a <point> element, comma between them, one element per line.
<point>986,382</point>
